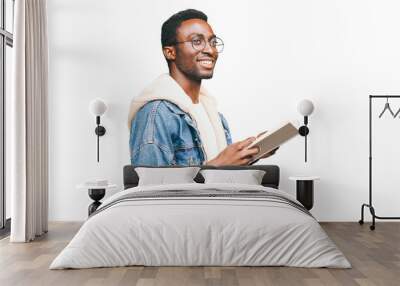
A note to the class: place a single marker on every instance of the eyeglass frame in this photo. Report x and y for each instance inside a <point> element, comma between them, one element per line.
<point>194,38</point>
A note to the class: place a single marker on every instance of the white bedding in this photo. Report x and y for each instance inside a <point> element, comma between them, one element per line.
<point>190,230</point>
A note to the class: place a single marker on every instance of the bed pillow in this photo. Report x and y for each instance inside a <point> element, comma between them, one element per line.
<point>248,177</point>
<point>163,176</point>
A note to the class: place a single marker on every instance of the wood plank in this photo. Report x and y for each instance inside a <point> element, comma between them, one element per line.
<point>375,257</point>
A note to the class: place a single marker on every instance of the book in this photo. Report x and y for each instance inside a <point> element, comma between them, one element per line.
<point>273,139</point>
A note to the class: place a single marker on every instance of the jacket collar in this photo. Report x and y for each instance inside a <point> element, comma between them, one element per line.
<point>166,88</point>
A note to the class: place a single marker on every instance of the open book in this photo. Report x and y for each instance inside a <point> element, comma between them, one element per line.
<point>273,139</point>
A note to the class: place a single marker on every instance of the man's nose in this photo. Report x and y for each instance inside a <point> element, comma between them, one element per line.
<point>209,49</point>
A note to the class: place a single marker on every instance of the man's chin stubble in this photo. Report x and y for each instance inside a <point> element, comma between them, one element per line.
<point>206,76</point>
<point>198,76</point>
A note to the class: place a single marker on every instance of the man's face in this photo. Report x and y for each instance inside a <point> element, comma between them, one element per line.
<point>195,64</point>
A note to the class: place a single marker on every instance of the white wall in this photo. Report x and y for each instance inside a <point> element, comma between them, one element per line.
<point>335,53</point>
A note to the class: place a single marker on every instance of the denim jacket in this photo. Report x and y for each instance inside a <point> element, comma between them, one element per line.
<point>162,134</point>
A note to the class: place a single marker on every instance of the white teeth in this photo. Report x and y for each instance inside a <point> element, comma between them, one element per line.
<point>206,62</point>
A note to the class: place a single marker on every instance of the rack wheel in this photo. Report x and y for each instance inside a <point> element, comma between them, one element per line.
<point>361,222</point>
<point>372,227</point>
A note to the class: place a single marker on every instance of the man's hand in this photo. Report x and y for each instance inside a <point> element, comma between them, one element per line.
<point>266,155</point>
<point>235,154</point>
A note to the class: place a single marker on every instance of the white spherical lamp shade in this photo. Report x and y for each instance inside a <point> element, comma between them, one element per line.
<point>305,107</point>
<point>97,107</point>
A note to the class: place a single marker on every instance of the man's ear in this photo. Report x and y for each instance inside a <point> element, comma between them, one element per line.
<point>169,53</point>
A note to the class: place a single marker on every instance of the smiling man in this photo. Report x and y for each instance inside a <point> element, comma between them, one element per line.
<point>175,121</point>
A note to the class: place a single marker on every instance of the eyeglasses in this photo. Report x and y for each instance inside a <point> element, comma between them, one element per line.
<point>199,43</point>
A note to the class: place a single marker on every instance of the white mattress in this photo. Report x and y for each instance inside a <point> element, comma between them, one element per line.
<point>183,231</point>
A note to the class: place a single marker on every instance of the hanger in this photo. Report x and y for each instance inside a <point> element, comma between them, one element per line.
<point>387,107</point>
<point>398,111</point>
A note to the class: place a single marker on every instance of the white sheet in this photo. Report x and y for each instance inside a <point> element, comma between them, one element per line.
<point>200,231</point>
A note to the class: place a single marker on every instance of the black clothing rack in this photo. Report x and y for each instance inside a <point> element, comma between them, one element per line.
<point>369,205</point>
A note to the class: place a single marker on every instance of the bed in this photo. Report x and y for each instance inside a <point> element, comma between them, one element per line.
<point>201,224</point>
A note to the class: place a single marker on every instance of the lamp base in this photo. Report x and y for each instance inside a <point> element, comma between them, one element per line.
<point>100,130</point>
<point>303,130</point>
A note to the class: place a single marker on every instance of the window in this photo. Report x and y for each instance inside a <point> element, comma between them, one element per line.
<point>6,44</point>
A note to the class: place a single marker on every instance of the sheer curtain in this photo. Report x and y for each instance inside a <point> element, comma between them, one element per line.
<point>28,122</point>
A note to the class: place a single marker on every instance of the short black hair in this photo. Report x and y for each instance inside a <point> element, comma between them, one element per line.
<point>169,27</point>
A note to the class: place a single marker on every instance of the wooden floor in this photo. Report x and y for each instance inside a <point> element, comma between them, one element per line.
<point>374,255</point>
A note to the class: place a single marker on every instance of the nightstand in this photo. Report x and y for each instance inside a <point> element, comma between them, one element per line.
<point>96,193</point>
<point>305,190</point>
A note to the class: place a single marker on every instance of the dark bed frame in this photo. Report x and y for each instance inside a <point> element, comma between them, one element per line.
<point>270,179</point>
